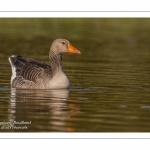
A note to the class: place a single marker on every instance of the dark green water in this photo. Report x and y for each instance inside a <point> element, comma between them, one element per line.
<point>110,79</point>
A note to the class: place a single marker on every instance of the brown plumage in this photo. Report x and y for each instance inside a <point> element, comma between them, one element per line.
<point>28,73</point>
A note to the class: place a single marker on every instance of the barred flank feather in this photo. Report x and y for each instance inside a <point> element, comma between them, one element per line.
<point>28,72</point>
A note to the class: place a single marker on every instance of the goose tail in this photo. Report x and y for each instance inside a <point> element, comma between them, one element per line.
<point>13,68</point>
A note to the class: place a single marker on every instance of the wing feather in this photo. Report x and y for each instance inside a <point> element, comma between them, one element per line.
<point>30,69</point>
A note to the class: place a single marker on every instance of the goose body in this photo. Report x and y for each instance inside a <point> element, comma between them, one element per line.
<point>28,73</point>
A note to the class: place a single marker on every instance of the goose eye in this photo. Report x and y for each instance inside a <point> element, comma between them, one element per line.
<point>63,43</point>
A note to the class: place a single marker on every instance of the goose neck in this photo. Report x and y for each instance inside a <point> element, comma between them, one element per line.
<point>56,62</point>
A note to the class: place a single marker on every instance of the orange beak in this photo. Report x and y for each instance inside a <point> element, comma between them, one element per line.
<point>71,49</point>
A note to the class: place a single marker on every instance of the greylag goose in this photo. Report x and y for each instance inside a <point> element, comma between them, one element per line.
<point>28,73</point>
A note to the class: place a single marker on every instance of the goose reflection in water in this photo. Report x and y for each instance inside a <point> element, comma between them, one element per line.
<point>48,110</point>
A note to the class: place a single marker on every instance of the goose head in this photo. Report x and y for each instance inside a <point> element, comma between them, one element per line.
<point>60,46</point>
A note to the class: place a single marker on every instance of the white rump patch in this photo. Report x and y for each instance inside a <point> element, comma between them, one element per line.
<point>13,68</point>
